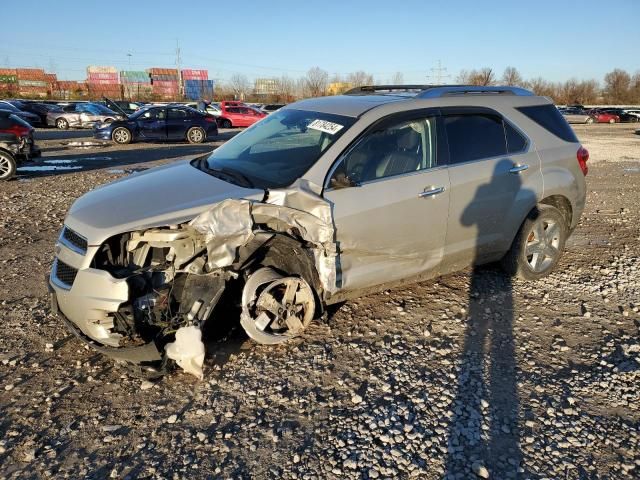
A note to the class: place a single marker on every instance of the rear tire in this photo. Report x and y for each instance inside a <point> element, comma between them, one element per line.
<point>539,244</point>
<point>62,124</point>
<point>224,123</point>
<point>196,135</point>
<point>121,136</point>
<point>612,120</point>
<point>7,166</point>
<point>589,121</point>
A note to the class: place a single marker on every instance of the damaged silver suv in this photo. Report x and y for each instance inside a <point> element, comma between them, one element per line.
<point>324,200</point>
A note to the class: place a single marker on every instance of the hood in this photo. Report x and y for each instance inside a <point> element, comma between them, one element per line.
<point>166,195</point>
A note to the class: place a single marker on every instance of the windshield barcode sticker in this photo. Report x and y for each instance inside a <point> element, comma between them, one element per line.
<point>325,126</point>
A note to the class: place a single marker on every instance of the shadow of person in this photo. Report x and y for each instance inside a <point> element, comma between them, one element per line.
<point>483,432</point>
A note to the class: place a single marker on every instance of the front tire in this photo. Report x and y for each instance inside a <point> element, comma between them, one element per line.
<point>612,120</point>
<point>539,244</point>
<point>7,166</point>
<point>196,135</point>
<point>589,121</point>
<point>62,124</point>
<point>121,136</point>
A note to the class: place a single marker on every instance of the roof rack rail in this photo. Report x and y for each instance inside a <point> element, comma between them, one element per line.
<point>451,90</point>
<point>367,89</point>
<point>436,91</point>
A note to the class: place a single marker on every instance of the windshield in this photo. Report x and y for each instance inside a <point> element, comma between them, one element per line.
<point>277,150</point>
<point>8,106</point>
<point>98,109</point>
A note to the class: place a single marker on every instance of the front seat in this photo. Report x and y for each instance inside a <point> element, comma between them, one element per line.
<point>405,158</point>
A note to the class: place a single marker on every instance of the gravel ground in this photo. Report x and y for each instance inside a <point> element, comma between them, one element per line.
<point>469,376</point>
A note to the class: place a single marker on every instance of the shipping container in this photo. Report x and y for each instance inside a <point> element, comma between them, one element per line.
<point>134,76</point>
<point>30,74</point>
<point>8,71</point>
<point>163,71</point>
<point>101,69</point>
<point>4,78</point>
<point>195,74</point>
<point>33,83</point>
<point>111,77</point>
<point>102,82</point>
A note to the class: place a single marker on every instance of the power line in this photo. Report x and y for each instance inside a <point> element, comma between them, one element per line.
<point>438,74</point>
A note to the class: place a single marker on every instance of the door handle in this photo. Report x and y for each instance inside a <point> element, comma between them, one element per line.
<point>519,168</point>
<point>432,191</point>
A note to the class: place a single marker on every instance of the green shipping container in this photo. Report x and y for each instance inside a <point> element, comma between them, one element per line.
<point>8,78</point>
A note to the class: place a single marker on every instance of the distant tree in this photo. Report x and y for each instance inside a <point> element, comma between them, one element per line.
<point>359,78</point>
<point>617,86</point>
<point>397,79</point>
<point>634,91</point>
<point>512,77</point>
<point>286,88</point>
<point>240,86</point>
<point>484,76</point>
<point>316,82</point>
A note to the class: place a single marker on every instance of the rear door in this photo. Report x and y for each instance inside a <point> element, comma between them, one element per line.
<point>178,122</point>
<point>495,178</point>
<point>390,197</point>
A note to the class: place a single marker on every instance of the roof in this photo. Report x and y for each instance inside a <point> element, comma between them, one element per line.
<point>358,100</point>
<point>347,105</point>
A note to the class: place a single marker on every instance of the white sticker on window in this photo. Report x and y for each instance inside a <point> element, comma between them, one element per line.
<point>325,126</point>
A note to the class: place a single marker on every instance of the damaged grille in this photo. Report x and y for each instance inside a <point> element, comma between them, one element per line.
<point>74,241</point>
<point>64,273</point>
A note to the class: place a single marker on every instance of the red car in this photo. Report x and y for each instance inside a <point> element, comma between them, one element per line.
<point>604,117</point>
<point>238,115</point>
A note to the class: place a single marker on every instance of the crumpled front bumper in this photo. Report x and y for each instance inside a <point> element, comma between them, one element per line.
<point>67,302</point>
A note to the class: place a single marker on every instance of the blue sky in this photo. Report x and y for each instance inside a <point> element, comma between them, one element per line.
<point>555,39</point>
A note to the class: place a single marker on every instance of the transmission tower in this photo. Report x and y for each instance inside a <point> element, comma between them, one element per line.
<point>178,62</point>
<point>438,74</point>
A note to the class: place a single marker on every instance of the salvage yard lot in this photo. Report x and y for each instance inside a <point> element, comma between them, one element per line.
<point>541,379</point>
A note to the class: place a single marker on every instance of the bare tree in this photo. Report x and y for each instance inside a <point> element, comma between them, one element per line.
<point>360,78</point>
<point>542,87</point>
<point>397,79</point>
<point>634,92</point>
<point>286,89</point>
<point>485,76</point>
<point>512,77</point>
<point>240,86</point>
<point>617,86</point>
<point>464,77</point>
<point>316,82</point>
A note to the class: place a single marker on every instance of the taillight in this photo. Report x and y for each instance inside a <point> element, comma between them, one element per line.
<point>583,156</point>
<point>210,119</point>
<point>18,130</point>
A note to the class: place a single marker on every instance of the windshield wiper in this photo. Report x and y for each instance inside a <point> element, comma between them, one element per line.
<point>225,173</point>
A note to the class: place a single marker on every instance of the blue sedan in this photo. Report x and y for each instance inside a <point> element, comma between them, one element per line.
<point>160,123</point>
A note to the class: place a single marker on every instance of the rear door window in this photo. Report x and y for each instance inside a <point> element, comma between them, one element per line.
<point>516,142</point>
<point>474,136</point>
<point>177,114</point>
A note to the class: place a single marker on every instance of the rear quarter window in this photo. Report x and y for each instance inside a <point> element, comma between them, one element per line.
<point>549,118</point>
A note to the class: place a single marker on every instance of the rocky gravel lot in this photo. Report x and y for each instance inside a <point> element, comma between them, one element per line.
<point>469,376</point>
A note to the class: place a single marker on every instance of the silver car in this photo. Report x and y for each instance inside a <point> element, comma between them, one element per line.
<point>81,115</point>
<point>324,200</point>
<point>574,115</point>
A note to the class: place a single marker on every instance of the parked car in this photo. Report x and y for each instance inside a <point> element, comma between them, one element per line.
<point>322,201</point>
<point>232,116</point>
<point>601,116</point>
<point>212,109</point>
<point>634,112</point>
<point>81,115</point>
<point>624,115</point>
<point>171,122</point>
<point>575,115</point>
<point>30,118</point>
<point>37,108</point>
<point>16,143</point>
<point>122,106</point>
<point>271,107</point>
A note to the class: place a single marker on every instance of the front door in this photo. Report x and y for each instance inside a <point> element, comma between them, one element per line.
<point>152,124</point>
<point>390,201</point>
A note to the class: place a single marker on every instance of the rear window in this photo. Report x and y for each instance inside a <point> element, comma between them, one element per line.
<point>549,118</point>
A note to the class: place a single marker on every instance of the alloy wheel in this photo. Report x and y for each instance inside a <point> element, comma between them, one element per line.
<point>543,245</point>
<point>5,167</point>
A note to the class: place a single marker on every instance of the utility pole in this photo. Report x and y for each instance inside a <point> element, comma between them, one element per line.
<point>438,73</point>
<point>178,61</point>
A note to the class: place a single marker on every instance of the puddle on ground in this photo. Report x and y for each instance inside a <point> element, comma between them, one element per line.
<point>86,144</point>
<point>58,162</point>
<point>46,168</point>
<point>632,169</point>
